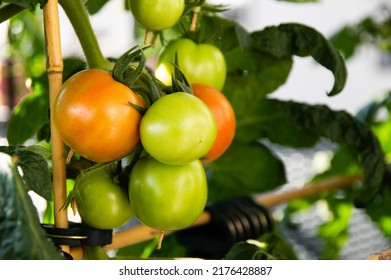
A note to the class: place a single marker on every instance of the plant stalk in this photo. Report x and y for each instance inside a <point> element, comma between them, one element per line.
<point>78,16</point>
<point>55,69</point>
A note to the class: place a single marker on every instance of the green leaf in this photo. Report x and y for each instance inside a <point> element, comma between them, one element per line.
<point>286,40</point>
<point>28,116</point>
<point>271,246</point>
<point>335,230</point>
<point>9,11</point>
<point>244,169</point>
<point>94,6</point>
<point>248,250</point>
<point>265,119</point>
<point>29,4</point>
<point>380,212</point>
<point>179,81</point>
<point>72,65</point>
<point>346,41</point>
<point>342,128</point>
<point>254,73</point>
<point>21,235</point>
<point>36,175</point>
<point>212,29</point>
<point>275,244</point>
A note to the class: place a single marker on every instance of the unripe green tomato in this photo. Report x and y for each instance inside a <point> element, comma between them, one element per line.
<point>101,203</point>
<point>167,197</point>
<point>157,14</point>
<point>178,128</point>
<point>200,63</point>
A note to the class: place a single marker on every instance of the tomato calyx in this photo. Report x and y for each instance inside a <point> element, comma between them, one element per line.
<point>130,70</point>
<point>179,80</point>
<point>194,10</point>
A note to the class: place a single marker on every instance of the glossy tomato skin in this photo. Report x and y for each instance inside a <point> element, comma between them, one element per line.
<point>101,203</point>
<point>177,129</point>
<point>157,14</point>
<point>167,197</point>
<point>200,63</point>
<point>225,119</point>
<point>93,116</point>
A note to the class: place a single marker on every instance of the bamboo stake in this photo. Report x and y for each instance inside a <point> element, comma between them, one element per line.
<point>141,233</point>
<point>338,182</point>
<point>385,255</point>
<point>55,68</point>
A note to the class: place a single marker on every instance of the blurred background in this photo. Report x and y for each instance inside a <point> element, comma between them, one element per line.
<point>369,77</point>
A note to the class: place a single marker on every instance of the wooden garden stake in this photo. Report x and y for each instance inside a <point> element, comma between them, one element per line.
<point>55,68</point>
<point>311,189</point>
<point>385,255</point>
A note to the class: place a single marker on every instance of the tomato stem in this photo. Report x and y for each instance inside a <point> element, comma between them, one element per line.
<point>146,36</point>
<point>194,17</point>
<point>69,157</point>
<point>161,236</point>
<point>74,206</point>
<point>155,35</point>
<point>78,16</point>
<point>193,24</point>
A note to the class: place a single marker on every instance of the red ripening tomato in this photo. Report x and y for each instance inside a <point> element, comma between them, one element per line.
<point>94,118</point>
<point>225,119</point>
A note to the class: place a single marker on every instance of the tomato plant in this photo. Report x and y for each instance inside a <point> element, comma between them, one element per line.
<point>101,203</point>
<point>93,116</point>
<point>134,113</point>
<point>178,128</point>
<point>200,63</point>
<point>155,14</point>
<point>224,116</point>
<point>167,197</point>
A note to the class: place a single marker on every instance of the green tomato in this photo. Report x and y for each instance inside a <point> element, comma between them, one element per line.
<point>200,63</point>
<point>178,128</point>
<point>167,197</point>
<point>101,203</point>
<point>157,14</point>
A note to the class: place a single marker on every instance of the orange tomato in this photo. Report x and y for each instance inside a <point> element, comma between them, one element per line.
<point>224,116</point>
<point>94,118</point>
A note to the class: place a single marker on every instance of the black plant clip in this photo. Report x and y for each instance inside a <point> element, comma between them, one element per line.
<point>78,234</point>
<point>232,221</point>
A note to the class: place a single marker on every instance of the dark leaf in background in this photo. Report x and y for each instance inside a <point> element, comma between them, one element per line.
<point>290,39</point>
<point>270,246</point>
<point>28,116</point>
<point>28,4</point>
<point>33,162</point>
<point>266,119</point>
<point>21,236</point>
<point>342,128</point>
<point>244,169</point>
<point>248,250</point>
<point>94,6</point>
<point>346,41</point>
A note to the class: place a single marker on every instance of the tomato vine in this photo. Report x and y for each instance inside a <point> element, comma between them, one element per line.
<point>171,130</point>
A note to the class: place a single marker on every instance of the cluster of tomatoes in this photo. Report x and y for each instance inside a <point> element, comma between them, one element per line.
<point>180,132</point>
